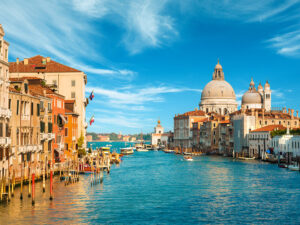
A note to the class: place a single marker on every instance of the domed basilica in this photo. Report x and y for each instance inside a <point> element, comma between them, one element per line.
<point>257,99</point>
<point>218,96</point>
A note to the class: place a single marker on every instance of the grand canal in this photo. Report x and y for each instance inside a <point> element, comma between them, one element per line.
<point>159,188</point>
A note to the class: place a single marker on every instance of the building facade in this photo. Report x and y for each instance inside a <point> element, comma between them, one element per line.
<point>68,81</point>
<point>159,137</point>
<point>259,140</point>
<point>5,113</point>
<point>183,128</point>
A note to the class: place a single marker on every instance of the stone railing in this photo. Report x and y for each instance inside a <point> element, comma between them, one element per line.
<point>2,141</point>
<point>51,136</point>
<point>8,141</point>
<point>43,136</point>
<point>5,113</point>
<point>25,117</point>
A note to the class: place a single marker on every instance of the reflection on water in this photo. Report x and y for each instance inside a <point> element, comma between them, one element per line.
<point>159,188</point>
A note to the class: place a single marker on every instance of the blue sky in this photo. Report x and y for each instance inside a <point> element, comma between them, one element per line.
<point>150,59</point>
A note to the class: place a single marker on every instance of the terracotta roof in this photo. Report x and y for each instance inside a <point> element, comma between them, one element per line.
<point>164,134</point>
<point>69,101</point>
<point>192,113</point>
<point>35,64</point>
<point>199,120</point>
<point>225,121</point>
<point>11,89</point>
<point>269,128</point>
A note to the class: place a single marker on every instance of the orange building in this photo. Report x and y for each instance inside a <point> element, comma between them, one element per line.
<point>126,138</point>
<point>89,138</point>
<point>58,117</point>
<point>71,128</point>
<point>103,138</point>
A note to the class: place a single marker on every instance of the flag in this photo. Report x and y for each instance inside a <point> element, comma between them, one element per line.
<point>92,120</point>
<point>92,95</point>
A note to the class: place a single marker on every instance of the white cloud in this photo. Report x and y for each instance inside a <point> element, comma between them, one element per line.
<point>136,96</point>
<point>287,44</point>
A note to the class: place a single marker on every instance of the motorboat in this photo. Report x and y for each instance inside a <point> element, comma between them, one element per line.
<point>168,151</point>
<point>293,167</point>
<point>188,158</point>
<point>105,150</point>
<point>127,151</point>
<point>149,147</point>
<point>140,148</point>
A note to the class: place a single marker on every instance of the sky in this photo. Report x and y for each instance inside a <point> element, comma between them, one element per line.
<point>149,59</point>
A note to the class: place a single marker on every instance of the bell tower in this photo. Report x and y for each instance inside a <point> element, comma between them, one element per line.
<point>267,97</point>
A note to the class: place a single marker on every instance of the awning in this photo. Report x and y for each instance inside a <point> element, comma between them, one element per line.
<point>63,118</point>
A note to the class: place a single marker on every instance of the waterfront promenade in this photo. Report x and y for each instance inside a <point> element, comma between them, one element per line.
<point>159,188</point>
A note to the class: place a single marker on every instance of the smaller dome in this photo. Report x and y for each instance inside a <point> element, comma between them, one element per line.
<point>252,97</point>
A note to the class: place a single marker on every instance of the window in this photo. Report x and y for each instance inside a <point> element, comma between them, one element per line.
<point>73,83</point>
<point>1,129</point>
<point>54,82</point>
<point>58,104</point>
<point>9,103</point>
<point>38,109</point>
<point>26,88</point>
<point>18,107</point>
<point>32,108</point>
<point>66,132</point>
<point>49,107</point>
<point>42,106</point>
<point>72,94</point>
<point>42,126</point>
<point>49,127</point>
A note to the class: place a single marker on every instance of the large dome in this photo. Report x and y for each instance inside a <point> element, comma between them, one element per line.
<point>218,89</point>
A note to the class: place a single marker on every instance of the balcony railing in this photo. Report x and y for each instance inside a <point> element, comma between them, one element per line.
<point>40,147</point>
<point>2,140</point>
<point>8,141</point>
<point>25,117</point>
<point>5,113</point>
<point>73,138</point>
<point>43,136</point>
<point>51,136</point>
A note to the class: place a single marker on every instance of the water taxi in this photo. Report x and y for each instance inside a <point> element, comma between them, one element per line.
<point>293,167</point>
<point>127,151</point>
<point>188,158</point>
<point>105,150</point>
<point>140,148</point>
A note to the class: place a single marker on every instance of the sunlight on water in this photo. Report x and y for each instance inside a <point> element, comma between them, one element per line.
<point>159,188</point>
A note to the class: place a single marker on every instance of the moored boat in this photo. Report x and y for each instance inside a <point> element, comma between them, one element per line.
<point>105,150</point>
<point>188,158</point>
<point>168,150</point>
<point>293,167</point>
<point>127,151</point>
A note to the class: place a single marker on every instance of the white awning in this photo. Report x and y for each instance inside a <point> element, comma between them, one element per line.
<point>63,118</point>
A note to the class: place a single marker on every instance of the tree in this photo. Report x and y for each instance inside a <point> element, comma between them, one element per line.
<point>80,142</point>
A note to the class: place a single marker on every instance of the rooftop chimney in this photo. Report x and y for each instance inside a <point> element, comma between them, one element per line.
<point>48,59</point>
<point>44,61</point>
<point>289,111</point>
<point>297,113</point>
<point>18,60</point>
<point>25,61</point>
<point>292,113</point>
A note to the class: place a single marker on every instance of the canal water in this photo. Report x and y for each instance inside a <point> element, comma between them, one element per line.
<point>159,188</point>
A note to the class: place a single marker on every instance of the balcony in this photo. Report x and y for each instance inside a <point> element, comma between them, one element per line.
<point>5,113</point>
<point>51,136</point>
<point>29,148</point>
<point>43,136</point>
<point>34,148</point>
<point>61,146</point>
<point>8,141</point>
<point>40,147</point>
<point>73,138</point>
<point>2,140</point>
<point>25,117</point>
<point>21,149</point>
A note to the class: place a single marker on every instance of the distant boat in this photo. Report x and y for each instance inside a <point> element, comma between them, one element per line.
<point>188,158</point>
<point>246,158</point>
<point>293,167</point>
<point>108,145</point>
<point>168,151</point>
<point>105,150</point>
<point>127,151</point>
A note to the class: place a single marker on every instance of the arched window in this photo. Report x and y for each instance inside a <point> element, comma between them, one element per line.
<point>219,74</point>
